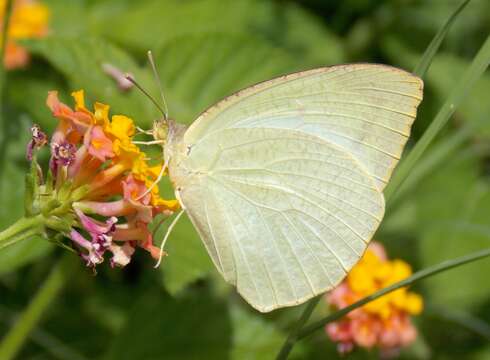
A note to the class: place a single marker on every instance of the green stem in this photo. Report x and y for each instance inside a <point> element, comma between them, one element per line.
<point>456,97</point>
<point>436,42</point>
<point>16,337</point>
<point>419,275</point>
<point>293,335</point>
<point>422,274</point>
<point>22,229</point>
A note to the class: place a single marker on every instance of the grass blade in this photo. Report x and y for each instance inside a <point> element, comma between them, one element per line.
<point>436,42</point>
<point>13,341</point>
<point>456,97</point>
<point>293,335</point>
<point>419,275</point>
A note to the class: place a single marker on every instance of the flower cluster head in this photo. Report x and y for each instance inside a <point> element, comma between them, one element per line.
<point>29,20</point>
<point>383,323</point>
<point>99,191</point>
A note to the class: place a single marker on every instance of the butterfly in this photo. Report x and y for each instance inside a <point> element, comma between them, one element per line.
<point>284,180</point>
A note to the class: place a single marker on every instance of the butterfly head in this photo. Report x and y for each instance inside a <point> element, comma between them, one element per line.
<point>160,130</point>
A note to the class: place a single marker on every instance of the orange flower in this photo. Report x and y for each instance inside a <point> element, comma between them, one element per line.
<point>96,169</point>
<point>29,20</point>
<point>384,322</point>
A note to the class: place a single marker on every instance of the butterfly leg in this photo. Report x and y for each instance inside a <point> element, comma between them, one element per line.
<point>160,176</point>
<point>167,234</point>
<point>154,142</point>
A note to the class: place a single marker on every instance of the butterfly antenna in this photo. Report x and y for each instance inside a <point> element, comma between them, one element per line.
<point>167,234</point>
<point>159,82</point>
<point>146,93</point>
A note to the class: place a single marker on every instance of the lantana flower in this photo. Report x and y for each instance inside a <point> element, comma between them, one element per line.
<point>384,323</point>
<point>99,189</point>
<point>29,20</point>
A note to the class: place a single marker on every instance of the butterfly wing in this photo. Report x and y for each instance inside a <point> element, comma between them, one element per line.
<point>366,109</point>
<point>283,180</point>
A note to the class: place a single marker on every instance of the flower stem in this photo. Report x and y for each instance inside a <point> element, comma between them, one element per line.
<point>419,275</point>
<point>293,335</point>
<point>16,337</point>
<point>22,229</point>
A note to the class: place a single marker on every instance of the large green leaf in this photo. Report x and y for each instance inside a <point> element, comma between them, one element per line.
<point>152,25</point>
<point>308,39</point>
<point>80,60</point>
<point>284,25</point>
<point>425,18</point>
<point>443,75</point>
<point>67,17</point>
<point>28,93</point>
<point>454,225</point>
<point>482,354</point>
<point>198,70</point>
<point>187,259</point>
<point>253,337</point>
<point>195,326</point>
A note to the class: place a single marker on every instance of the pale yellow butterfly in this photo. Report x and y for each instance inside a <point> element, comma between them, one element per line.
<point>283,180</point>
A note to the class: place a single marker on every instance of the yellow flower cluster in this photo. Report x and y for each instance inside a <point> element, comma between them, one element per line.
<point>120,129</point>
<point>373,273</point>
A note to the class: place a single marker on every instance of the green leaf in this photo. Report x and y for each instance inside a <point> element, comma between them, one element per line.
<point>80,60</point>
<point>475,108</point>
<point>198,70</point>
<point>187,259</point>
<point>307,39</point>
<point>456,177</point>
<point>28,93</point>
<point>23,253</point>
<point>67,17</point>
<point>286,26</point>
<point>253,337</point>
<point>152,25</point>
<point>419,20</point>
<point>482,354</point>
<point>451,226</point>
<point>195,326</point>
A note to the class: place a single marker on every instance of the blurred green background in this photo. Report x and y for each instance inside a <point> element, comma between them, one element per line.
<point>205,50</point>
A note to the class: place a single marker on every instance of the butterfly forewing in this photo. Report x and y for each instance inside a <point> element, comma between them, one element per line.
<point>283,180</point>
<point>366,109</point>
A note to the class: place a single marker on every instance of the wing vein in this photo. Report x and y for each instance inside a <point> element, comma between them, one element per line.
<point>317,206</point>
